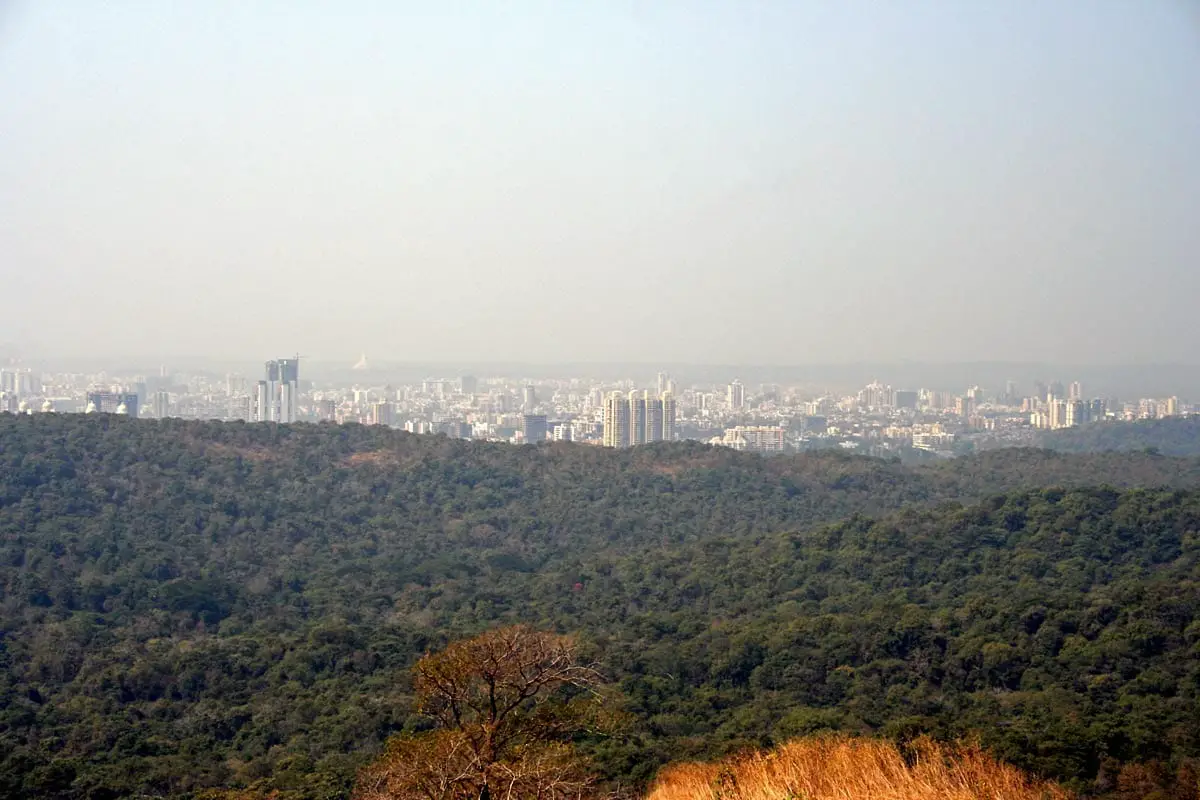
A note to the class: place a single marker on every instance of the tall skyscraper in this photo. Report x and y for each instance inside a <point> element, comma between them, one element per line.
<point>20,382</point>
<point>1057,410</point>
<point>262,401</point>
<point>162,404</point>
<point>1076,413</point>
<point>534,428</point>
<point>276,397</point>
<point>616,421</point>
<point>468,384</point>
<point>1076,391</point>
<point>663,380</point>
<point>637,418</point>
<point>528,398</point>
<point>289,370</point>
<point>668,416</point>
<point>288,401</point>
<point>654,419</point>
<point>735,396</point>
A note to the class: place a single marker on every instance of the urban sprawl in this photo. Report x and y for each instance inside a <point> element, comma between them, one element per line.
<point>877,419</point>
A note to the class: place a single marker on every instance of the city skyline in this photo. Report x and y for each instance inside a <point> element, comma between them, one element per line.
<point>875,418</point>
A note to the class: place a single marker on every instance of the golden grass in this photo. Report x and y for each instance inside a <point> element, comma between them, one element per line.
<point>839,768</point>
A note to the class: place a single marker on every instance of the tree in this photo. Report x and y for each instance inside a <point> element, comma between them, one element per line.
<point>506,705</point>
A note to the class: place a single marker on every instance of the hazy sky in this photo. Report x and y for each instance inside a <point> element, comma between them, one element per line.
<point>674,180</point>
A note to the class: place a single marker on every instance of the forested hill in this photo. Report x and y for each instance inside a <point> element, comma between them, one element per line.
<point>1174,436</point>
<point>194,604</point>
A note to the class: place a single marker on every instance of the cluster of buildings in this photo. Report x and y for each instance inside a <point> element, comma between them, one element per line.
<point>877,419</point>
<point>638,419</point>
<point>277,396</point>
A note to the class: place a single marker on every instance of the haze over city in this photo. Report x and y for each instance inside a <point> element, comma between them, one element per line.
<point>719,182</point>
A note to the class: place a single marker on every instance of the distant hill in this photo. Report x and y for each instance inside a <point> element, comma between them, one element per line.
<point>1174,436</point>
<point>187,605</point>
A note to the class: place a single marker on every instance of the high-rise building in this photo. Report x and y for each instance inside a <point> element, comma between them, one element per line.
<point>327,409</point>
<point>534,428</point>
<point>654,419</point>
<point>289,370</point>
<point>162,404</point>
<point>262,401</point>
<point>528,398</point>
<point>20,382</point>
<point>1076,391</point>
<point>382,413</point>
<point>460,430</point>
<point>616,421</point>
<point>1172,407</point>
<point>735,396</point>
<point>668,416</point>
<point>637,418</point>
<point>877,395</point>
<point>1057,411</point>
<point>468,384</point>
<point>1076,413</point>
<point>663,380</point>
<point>241,407</point>
<point>276,397</point>
<point>288,401</point>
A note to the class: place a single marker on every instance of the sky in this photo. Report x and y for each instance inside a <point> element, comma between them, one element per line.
<point>686,181</point>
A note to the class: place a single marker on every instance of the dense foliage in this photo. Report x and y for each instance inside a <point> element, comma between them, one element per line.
<point>1173,436</point>
<point>189,605</point>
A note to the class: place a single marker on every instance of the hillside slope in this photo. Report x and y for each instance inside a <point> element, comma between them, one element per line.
<point>199,604</point>
<point>1173,436</point>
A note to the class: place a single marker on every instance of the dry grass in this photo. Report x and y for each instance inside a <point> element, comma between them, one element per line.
<point>854,769</point>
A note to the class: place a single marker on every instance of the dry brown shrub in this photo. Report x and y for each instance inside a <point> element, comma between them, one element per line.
<point>839,768</point>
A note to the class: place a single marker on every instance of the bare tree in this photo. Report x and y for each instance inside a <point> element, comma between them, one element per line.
<point>505,711</point>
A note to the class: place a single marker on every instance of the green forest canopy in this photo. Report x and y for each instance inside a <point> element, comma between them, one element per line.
<point>189,605</point>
